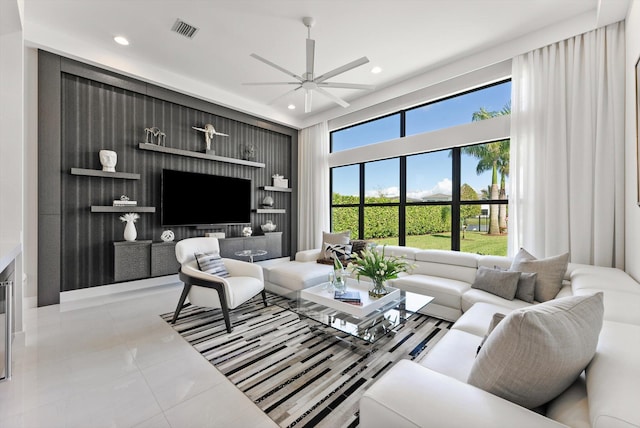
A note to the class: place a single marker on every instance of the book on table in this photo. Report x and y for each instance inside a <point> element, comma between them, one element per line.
<point>348,297</point>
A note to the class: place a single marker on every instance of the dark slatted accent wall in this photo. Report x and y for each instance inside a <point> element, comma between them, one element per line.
<point>97,116</point>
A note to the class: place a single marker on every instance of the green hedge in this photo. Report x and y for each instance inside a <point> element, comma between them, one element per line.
<point>382,222</point>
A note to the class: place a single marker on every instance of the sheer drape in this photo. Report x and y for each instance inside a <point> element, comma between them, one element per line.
<point>567,160</point>
<point>313,185</point>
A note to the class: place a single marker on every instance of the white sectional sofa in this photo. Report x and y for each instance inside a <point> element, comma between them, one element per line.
<point>434,392</point>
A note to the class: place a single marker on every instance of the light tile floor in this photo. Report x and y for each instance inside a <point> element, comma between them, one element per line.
<point>113,362</point>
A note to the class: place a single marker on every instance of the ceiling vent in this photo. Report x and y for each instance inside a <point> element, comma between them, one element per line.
<point>184,29</point>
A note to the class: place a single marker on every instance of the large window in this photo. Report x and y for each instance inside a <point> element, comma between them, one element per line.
<point>456,198</point>
<point>375,131</point>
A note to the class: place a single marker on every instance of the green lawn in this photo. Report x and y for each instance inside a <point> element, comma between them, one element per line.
<point>474,242</point>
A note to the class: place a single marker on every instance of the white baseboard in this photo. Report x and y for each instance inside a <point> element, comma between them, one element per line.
<point>122,287</point>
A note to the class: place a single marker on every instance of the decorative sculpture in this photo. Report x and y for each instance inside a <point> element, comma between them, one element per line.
<point>209,133</point>
<point>108,159</point>
<point>156,134</point>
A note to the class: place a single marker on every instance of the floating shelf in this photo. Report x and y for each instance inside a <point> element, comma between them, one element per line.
<point>111,209</point>
<point>179,152</point>
<point>270,211</point>
<point>100,173</point>
<point>276,189</point>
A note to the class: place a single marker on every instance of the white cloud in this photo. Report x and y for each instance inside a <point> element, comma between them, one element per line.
<point>444,186</point>
<point>389,192</point>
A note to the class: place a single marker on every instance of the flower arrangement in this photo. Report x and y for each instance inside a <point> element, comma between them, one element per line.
<point>130,217</point>
<point>375,265</point>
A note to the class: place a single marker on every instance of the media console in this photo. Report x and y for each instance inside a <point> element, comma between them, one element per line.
<point>145,258</point>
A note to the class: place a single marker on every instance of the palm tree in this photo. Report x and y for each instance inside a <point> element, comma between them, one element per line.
<point>488,155</point>
<point>495,157</point>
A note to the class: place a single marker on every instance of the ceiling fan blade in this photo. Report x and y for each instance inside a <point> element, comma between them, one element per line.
<point>346,85</point>
<point>333,98</point>
<point>279,97</point>
<point>270,83</point>
<point>340,70</point>
<point>311,52</point>
<point>307,100</point>
<point>277,67</point>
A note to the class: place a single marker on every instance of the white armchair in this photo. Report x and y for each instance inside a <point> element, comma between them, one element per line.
<point>245,279</point>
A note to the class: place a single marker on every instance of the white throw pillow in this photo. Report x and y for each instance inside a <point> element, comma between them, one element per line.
<point>335,238</point>
<point>537,352</point>
<point>340,251</point>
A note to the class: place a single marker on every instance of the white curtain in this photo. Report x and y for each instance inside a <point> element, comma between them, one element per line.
<point>567,159</point>
<point>313,182</point>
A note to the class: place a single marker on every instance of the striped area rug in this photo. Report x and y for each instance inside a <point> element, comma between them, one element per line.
<point>299,372</point>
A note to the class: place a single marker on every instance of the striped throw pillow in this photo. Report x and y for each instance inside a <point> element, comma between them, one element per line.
<point>211,263</point>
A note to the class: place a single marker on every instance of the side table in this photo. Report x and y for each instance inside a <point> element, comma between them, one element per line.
<point>250,253</point>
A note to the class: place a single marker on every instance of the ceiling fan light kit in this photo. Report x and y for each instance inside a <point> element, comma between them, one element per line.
<point>308,81</point>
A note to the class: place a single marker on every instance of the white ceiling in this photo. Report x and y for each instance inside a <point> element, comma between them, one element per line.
<point>406,38</point>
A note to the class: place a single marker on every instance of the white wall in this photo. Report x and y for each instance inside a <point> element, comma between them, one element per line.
<point>11,137</point>
<point>632,211</point>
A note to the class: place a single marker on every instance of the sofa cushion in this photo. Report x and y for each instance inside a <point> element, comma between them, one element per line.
<point>447,264</point>
<point>473,296</point>
<point>499,282</point>
<point>613,377</point>
<point>603,278</point>
<point>453,355</point>
<point>445,291</point>
<point>572,406</point>
<point>495,262</point>
<point>550,272</point>
<point>211,263</point>
<point>477,319</point>
<point>298,275</point>
<point>535,353</point>
<point>618,306</point>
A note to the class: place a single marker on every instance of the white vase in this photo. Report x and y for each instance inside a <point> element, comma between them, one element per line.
<point>130,232</point>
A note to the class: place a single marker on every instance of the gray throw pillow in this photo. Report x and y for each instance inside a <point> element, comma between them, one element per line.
<point>495,320</point>
<point>499,282</point>
<point>550,272</point>
<point>537,352</point>
<point>527,286</point>
<point>211,263</point>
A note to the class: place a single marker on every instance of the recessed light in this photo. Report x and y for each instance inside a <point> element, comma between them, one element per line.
<point>121,40</point>
<point>291,107</point>
<point>376,70</point>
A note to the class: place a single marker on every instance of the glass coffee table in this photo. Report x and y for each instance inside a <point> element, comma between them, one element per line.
<point>250,253</point>
<point>370,322</point>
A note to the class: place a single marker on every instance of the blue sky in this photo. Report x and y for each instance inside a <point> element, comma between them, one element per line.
<point>427,173</point>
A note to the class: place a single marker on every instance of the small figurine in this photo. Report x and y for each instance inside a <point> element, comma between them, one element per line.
<point>209,133</point>
<point>155,133</point>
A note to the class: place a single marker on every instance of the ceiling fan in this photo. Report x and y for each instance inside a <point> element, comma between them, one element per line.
<point>308,81</point>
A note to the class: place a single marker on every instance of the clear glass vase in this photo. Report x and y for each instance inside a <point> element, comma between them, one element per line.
<point>339,283</point>
<point>378,289</point>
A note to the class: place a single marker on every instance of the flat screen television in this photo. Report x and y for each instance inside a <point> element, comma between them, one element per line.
<point>195,199</point>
